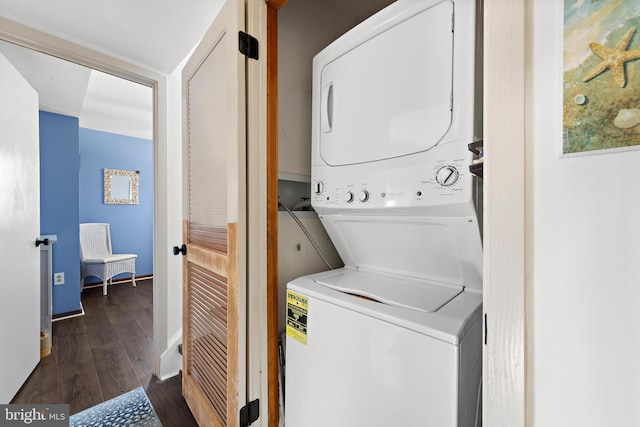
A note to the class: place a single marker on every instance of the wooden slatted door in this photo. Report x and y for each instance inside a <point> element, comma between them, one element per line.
<point>214,225</point>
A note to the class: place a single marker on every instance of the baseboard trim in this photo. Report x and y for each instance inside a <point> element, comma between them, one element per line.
<point>68,314</point>
<point>171,359</point>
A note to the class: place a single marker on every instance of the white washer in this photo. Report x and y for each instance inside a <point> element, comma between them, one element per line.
<point>371,364</point>
<point>393,338</point>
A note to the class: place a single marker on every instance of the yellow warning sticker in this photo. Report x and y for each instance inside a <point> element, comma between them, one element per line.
<point>297,315</point>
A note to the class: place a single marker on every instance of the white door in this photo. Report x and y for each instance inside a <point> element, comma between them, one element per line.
<point>215,223</point>
<point>19,228</point>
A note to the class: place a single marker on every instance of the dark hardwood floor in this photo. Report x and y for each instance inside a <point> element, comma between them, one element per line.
<point>104,354</point>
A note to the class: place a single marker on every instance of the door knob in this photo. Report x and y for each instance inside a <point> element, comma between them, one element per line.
<point>42,242</point>
<point>180,250</point>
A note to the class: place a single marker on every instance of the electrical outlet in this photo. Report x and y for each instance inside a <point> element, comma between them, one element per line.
<point>58,278</point>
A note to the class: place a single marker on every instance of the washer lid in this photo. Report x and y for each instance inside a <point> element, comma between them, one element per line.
<point>445,250</point>
<point>396,291</point>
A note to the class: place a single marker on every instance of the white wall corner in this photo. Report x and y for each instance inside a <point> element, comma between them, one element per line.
<point>169,211</point>
<point>171,359</point>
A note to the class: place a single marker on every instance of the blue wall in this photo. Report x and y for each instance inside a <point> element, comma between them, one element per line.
<point>131,225</point>
<point>59,199</point>
<point>72,161</point>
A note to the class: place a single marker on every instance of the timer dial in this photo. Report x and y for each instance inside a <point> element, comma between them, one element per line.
<point>447,175</point>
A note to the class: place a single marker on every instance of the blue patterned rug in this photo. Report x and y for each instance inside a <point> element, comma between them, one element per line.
<point>130,409</point>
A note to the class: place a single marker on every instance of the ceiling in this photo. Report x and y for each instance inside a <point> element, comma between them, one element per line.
<point>154,34</point>
<point>99,101</point>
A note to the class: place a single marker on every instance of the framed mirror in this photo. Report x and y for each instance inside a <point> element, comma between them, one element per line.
<point>120,187</point>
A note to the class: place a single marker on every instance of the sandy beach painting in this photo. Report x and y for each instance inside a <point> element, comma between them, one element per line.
<point>601,98</point>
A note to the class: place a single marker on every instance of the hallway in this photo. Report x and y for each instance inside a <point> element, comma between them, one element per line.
<point>105,353</point>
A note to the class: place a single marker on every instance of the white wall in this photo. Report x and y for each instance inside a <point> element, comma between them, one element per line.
<point>583,268</point>
<point>171,194</point>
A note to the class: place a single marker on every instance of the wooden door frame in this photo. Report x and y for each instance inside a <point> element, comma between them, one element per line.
<point>272,209</point>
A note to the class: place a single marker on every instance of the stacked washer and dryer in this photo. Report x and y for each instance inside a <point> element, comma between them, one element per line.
<point>394,338</point>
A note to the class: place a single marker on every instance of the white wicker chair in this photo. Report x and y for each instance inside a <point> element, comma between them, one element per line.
<point>96,258</point>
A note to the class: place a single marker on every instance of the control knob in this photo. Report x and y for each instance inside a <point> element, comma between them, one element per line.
<point>363,196</point>
<point>447,175</point>
<point>348,197</point>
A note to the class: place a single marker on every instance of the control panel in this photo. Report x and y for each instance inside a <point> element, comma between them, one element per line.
<point>438,182</point>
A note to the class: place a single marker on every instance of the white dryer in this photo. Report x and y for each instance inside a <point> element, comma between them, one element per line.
<point>394,337</point>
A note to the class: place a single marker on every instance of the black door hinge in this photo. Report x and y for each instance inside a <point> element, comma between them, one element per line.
<point>248,45</point>
<point>485,329</point>
<point>250,413</point>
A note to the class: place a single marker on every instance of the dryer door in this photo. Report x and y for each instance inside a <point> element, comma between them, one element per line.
<point>390,94</point>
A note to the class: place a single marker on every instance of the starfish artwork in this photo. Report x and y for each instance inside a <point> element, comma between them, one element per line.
<point>614,59</point>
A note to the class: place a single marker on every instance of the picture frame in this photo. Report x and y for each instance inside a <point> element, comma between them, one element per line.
<point>121,187</point>
<point>601,77</point>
